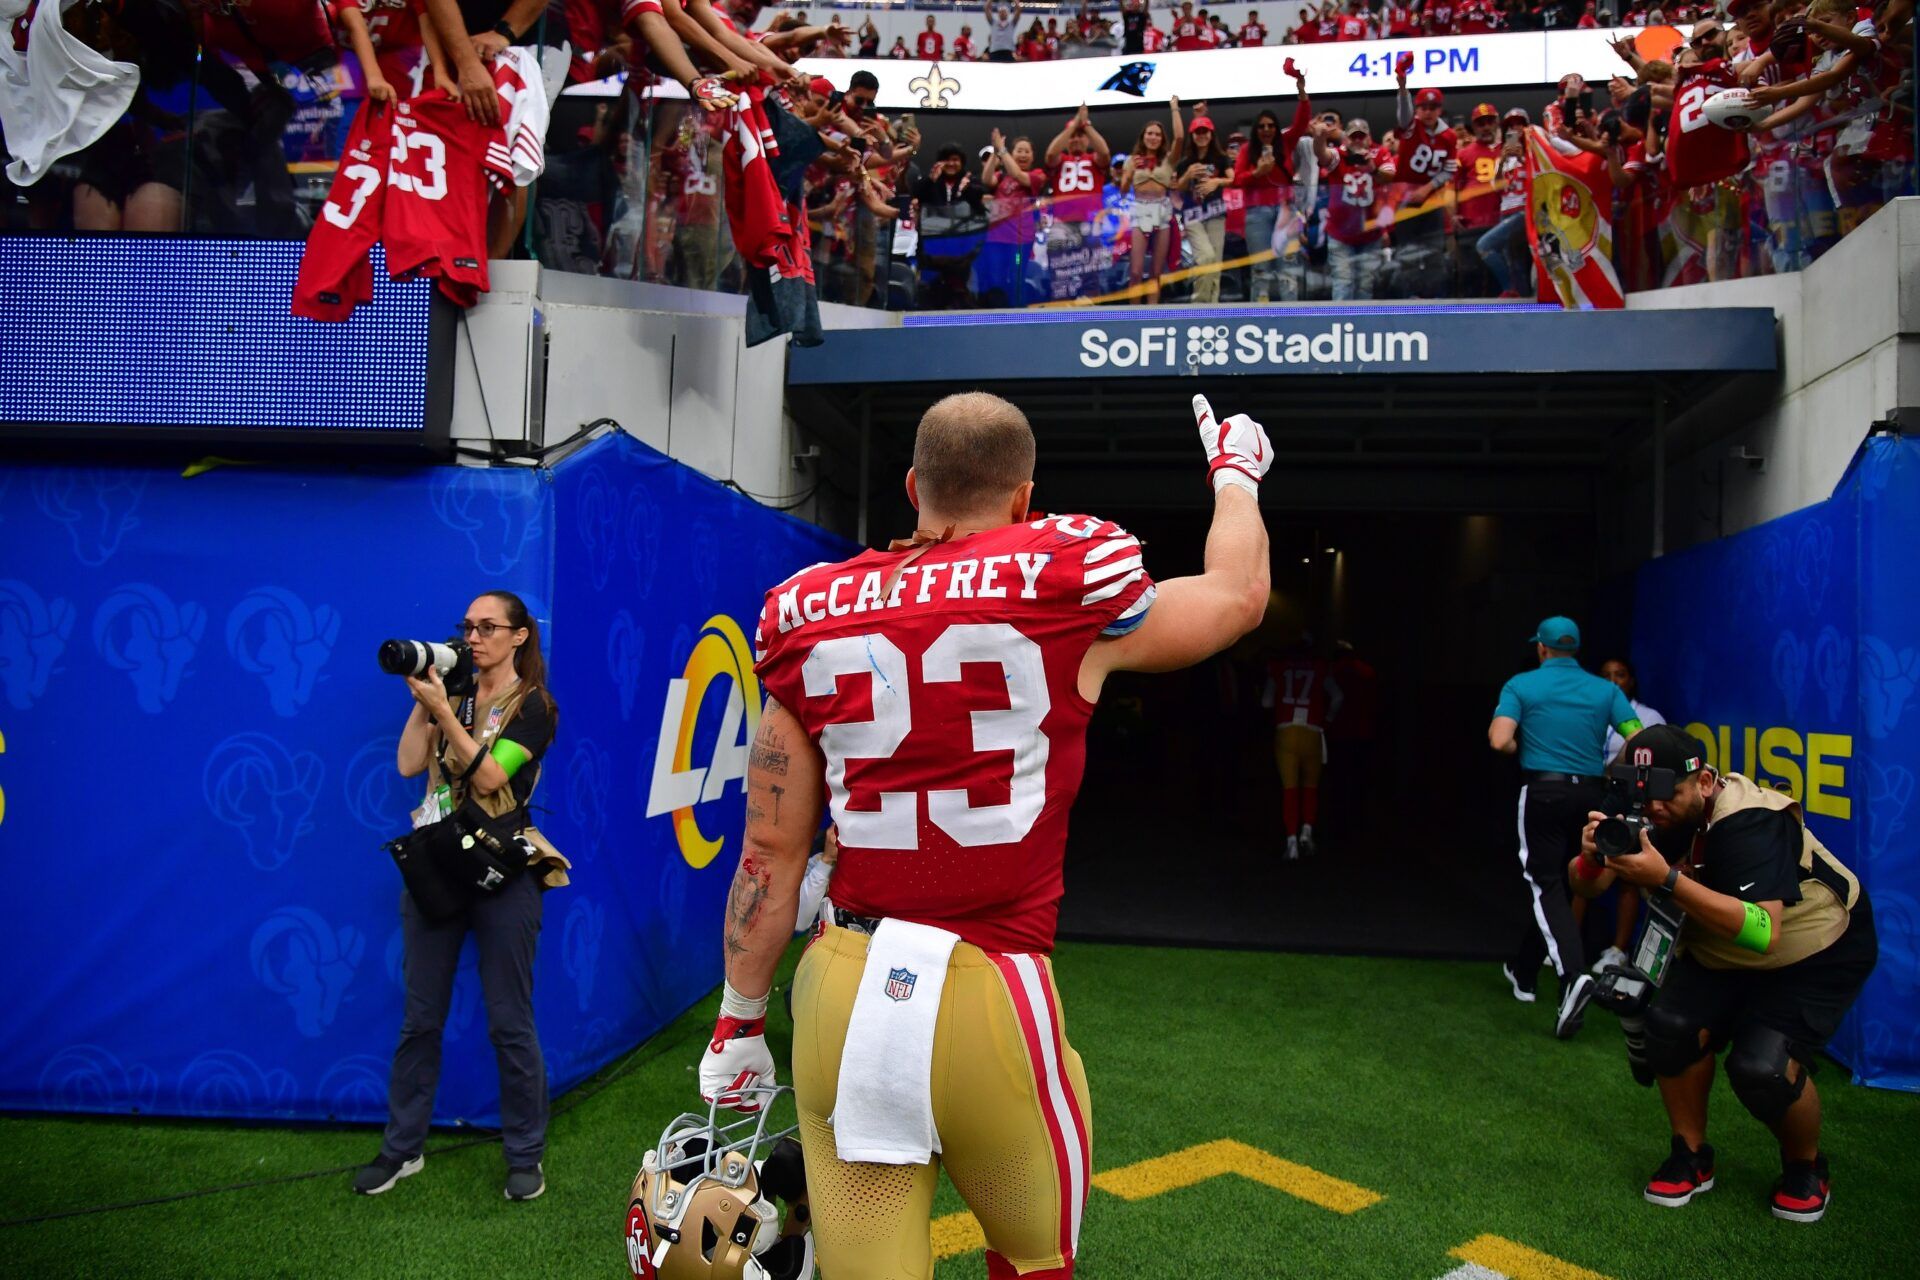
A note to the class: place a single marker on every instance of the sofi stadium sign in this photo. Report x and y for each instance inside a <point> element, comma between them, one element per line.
<point>1177,348</point>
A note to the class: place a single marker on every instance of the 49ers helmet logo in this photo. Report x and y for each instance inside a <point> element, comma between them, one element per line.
<point>721,653</point>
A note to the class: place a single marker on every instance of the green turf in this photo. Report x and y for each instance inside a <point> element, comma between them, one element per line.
<point>1421,1080</point>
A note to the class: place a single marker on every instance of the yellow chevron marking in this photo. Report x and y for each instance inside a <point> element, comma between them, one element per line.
<point>955,1234</point>
<point>1517,1262</point>
<point>1212,1159</point>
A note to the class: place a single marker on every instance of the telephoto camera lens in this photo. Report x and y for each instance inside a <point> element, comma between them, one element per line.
<point>404,657</point>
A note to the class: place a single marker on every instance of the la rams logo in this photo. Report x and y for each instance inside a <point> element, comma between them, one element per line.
<point>721,653</point>
<point>1130,79</point>
<point>934,89</point>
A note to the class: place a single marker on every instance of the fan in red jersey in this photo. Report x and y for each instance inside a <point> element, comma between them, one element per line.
<point>931,45</point>
<point>935,696</point>
<point>392,34</point>
<point>1356,23</point>
<point>1425,166</point>
<point>1437,17</point>
<point>1358,213</point>
<point>1304,699</point>
<point>1189,33</point>
<point>1252,33</point>
<point>1698,151</point>
<point>1077,161</point>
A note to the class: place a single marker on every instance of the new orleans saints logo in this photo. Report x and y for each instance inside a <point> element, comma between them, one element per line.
<point>934,89</point>
<point>1131,78</point>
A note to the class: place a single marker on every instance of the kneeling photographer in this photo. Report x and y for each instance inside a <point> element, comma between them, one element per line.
<point>1758,942</point>
<point>482,719</point>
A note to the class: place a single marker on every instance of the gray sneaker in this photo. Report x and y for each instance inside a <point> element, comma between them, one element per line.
<point>384,1172</point>
<point>526,1183</point>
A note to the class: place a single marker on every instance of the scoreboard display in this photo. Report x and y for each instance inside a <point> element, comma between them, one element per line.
<point>150,339</point>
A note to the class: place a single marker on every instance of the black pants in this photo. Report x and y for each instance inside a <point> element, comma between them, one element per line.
<point>506,927</point>
<point>1803,1001</point>
<point>1551,815</point>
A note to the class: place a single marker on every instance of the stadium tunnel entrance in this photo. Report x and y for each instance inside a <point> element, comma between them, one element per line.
<point>1427,519</point>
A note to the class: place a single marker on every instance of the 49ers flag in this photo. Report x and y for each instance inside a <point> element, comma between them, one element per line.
<point>1569,227</point>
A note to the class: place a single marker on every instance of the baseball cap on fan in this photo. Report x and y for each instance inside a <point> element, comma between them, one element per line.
<point>1358,126</point>
<point>1428,97</point>
<point>1670,747</point>
<point>1485,111</point>
<point>1558,632</point>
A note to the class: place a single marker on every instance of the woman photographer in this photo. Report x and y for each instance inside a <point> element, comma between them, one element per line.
<point>485,748</point>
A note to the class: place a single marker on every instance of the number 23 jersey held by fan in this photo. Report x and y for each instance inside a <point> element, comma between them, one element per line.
<point>946,701</point>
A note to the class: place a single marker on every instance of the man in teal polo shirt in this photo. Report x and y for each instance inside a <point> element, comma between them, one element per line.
<point>1556,719</point>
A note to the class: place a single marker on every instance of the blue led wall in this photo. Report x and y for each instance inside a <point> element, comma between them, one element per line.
<point>146,334</point>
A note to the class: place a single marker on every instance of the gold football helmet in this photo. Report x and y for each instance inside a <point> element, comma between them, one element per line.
<point>706,1202</point>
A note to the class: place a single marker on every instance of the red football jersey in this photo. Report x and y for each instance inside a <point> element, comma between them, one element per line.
<point>335,275</point>
<point>1474,18</point>
<point>1355,193</point>
<point>1699,151</point>
<point>1439,16</point>
<point>756,212</point>
<point>1079,183</point>
<point>1478,183</point>
<point>931,44</point>
<point>1299,690</point>
<point>391,24</point>
<point>1425,156</point>
<point>436,196</point>
<point>949,712</point>
<point>1252,35</point>
<point>1354,26</point>
<point>1186,35</point>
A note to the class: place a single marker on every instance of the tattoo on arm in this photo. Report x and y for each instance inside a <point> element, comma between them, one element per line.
<point>751,884</point>
<point>778,791</point>
<point>768,756</point>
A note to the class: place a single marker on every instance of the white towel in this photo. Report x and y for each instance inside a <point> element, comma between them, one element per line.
<point>884,1112</point>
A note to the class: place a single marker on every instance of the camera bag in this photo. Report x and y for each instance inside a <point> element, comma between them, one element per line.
<point>465,855</point>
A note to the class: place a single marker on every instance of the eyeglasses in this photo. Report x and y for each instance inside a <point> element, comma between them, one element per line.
<point>484,630</point>
<point>1702,38</point>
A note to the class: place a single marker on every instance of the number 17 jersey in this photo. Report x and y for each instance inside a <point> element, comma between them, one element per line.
<point>943,690</point>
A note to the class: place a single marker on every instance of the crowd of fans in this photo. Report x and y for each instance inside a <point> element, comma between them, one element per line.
<point>1206,203</point>
<point>1290,203</point>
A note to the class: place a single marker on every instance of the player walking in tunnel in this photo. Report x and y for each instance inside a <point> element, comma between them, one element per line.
<point>936,696</point>
<point>1305,699</point>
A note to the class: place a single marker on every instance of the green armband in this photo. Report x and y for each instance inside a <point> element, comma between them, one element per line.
<point>1630,727</point>
<point>509,755</point>
<point>1757,933</point>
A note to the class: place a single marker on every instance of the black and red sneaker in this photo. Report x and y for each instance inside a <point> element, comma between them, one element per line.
<point>1801,1194</point>
<point>1685,1175</point>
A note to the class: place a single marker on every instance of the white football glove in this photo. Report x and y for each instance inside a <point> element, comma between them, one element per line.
<point>737,1059</point>
<point>1238,452</point>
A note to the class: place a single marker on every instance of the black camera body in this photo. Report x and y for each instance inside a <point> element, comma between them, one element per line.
<point>453,660</point>
<point>1629,789</point>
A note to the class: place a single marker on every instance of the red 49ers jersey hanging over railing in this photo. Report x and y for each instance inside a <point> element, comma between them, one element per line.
<point>947,704</point>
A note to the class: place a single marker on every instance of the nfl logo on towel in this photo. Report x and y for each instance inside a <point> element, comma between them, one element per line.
<point>900,983</point>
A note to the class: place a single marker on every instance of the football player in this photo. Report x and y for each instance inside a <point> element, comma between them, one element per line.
<point>1304,698</point>
<point>935,695</point>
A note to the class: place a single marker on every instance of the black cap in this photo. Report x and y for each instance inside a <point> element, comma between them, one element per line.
<point>1666,746</point>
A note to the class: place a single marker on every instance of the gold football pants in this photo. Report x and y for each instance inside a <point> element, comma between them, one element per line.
<point>1009,1103</point>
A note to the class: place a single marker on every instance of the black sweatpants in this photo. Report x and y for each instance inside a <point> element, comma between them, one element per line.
<point>506,927</point>
<point>1551,816</point>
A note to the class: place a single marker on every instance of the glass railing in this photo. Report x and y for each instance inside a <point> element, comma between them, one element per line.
<point>914,245</point>
<point>635,189</point>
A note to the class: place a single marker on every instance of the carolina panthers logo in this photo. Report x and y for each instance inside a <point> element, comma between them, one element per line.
<point>1130,79</point>
<point>934,89</point>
